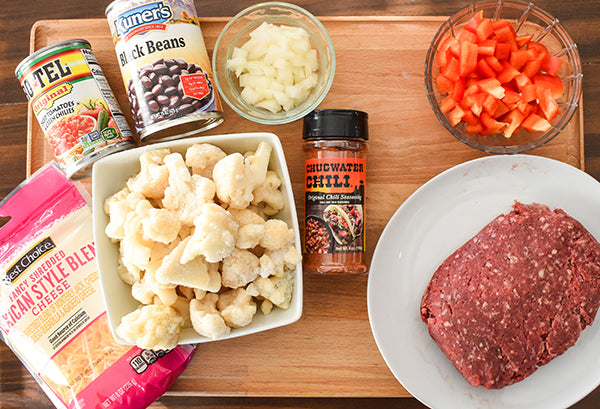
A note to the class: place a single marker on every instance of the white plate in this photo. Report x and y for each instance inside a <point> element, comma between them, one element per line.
<point>110,175</point>
<point>436,220</point>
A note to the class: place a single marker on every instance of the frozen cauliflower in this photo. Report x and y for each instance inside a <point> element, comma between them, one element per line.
<point>148,287</point>
<point>276,262</point>
<point>250,235</point>
<point>246,216</point>
<point>151,327</point>
<point>118,207</point>
<point>116,197</point>
<point>266,307</point>
<point>206,319</point>
<point>161,225</point>
<point>278,290</point>
<point>128,272</point>
<point>269,194</point>
<point>202,158</point>
<point>237,176</point>
<point>277,235</point>
<point>135,249</point>
<point>182,307</point>
<point>186,193</point>
<point>200,243</point>
<point>194,273</point>
<point>239,268</point>
<point>237,307</point>
<point>214,235</point>
<point>153,178</point>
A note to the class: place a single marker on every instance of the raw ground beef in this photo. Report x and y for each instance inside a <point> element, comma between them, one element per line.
<point>515,296</point>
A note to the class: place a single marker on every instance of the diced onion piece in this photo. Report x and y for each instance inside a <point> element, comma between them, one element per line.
<point>250,95</point>
<point>276,68</point>
<point>269,104</point>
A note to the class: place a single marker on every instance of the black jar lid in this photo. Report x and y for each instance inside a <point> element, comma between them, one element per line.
<point>336,124</point>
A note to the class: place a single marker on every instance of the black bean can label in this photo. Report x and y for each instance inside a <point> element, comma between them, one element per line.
<point>165,67</point>
<point>334,205</point>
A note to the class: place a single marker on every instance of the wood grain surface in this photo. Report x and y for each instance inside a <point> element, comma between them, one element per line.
<point>344,347</point>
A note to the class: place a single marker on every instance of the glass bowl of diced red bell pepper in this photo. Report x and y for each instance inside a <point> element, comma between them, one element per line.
<point>503,76</point>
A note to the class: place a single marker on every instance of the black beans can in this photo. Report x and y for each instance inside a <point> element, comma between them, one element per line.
<point>165,68</point>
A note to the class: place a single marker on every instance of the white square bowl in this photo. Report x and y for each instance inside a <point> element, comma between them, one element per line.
<point>111,173</point>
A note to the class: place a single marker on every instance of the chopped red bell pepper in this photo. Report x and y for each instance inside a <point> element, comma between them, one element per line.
<point>496,81</point>
<point>468,58</point>
<point>535,123</point>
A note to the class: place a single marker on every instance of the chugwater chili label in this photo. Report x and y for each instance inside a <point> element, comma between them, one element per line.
<point>335,196</point>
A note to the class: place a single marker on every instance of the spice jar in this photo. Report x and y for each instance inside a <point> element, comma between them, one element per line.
<point>334,191</point>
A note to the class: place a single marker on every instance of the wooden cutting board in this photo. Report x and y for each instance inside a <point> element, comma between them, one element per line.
<point>331,350</point>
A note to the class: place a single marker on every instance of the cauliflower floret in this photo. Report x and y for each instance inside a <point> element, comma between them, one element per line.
<point>214,236</point>
<point>202,158</point>
<point>135,248</point>
<point>246,216</point>
<point>153,177</point>
<point>152,327</point>
<point>186,193</point>
<point>194,273</point>
<point>266,307</point>
<point>258,210</point>
<point>159,252</point>
<point>128,272</point>
<point>237,307</point>
<point>117,197</point>
<point>268,266</point>
<point>277,262</point>
<point>118,207</point>
<point>187,292</point>
<point>199,294</point>
<point>142,291</point>
<point>277,235</point>
<point>182,306</point>
<point>240,268</point>
<point>250,235</point>
<point>161,225</point>
<point>278,290</point>
<point>148,287</point>
<point>206,319</point>
<point>236,177</point>
<point>145,290</point>
<point>292,257</point>
<point>269,194</point>
<point>179,181</point>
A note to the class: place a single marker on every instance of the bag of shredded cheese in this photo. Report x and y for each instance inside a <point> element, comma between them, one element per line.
<point>52,313</point>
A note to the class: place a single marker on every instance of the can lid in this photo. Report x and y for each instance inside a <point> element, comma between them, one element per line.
<point>49,50</point>
<point>336,123</point>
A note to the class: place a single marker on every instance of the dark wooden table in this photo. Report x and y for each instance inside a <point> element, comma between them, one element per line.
<point>581,18</point>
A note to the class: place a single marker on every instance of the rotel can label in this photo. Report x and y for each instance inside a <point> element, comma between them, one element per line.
<point>74,105</point>
<point>165,67</point>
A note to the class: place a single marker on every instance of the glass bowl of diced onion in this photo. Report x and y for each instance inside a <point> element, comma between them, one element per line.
<point>531,26</point>
<point>273,63</point>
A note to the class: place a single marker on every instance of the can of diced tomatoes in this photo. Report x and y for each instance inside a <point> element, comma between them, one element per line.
<point>165,67</point>
<point>74,105</point>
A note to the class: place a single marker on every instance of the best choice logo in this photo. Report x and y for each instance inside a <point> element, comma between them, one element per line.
<point>28,259</point>
<point>142,15</point>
